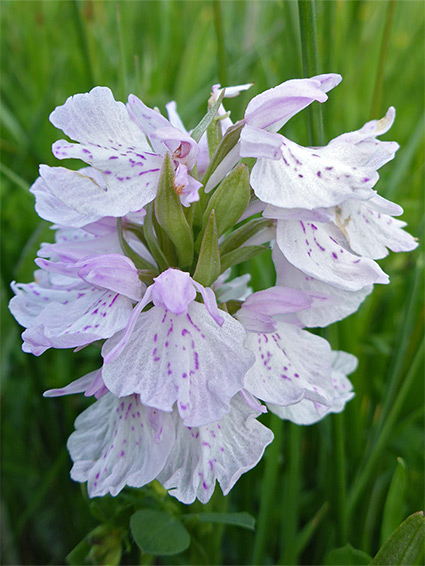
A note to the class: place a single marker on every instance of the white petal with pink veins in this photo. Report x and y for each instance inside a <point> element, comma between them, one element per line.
<point>320,250</point>
<point>329,303</point>
<point>97,118</point>
<point>308,178</point>
<point>307,412</point>
<point>371,233</point>
<point>291,364</point>
<point>51,208</point>
<point>186,359</point>
<point>221,452</point>
<point>86,196</point>
<point>115,445</point>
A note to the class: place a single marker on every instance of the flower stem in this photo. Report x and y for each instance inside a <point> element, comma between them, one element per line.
<point>381,441</point>
<point>221,48</point>
<point>307,15</point>
<point>340,479</point>
<point>291,491</point>
<point>268,490</point>
<point>376,100</point>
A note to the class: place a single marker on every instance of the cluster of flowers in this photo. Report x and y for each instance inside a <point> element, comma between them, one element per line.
<point>145,239</point>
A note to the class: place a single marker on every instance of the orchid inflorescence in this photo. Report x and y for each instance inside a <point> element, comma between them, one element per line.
<point>145,240</point>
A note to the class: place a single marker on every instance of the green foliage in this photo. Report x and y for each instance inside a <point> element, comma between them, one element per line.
<point>158,533</point>
<point>168,50</point>
<point>406,546</point>
<point>170,216</point>
<point>346,555</point>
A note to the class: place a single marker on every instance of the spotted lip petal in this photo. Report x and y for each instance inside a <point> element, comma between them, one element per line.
<point>88,197</point>
<point>308,412</point>
<point>291,364</point>
<point>186,359</point>
<point>369,232</point>
<point>221,452</point>
<point>320,250</point>
<point>119,442</point>
<point>329,303</point>
<point>298,177</point>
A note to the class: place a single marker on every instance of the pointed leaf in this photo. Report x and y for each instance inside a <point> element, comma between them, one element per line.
<point>242,519</point>
<point>346,555</point>
<point>406,546</point>
<point>208,266</point>
<point>230,199</point>
<point>393,510</point>
<point>240,255</point>
<point>244,233</point>
<point>228,142</point>
<point>199,130</point>
<point>138,261</point>
<point>156,532</point>
<point>151,240</point>
<point>170,216</point>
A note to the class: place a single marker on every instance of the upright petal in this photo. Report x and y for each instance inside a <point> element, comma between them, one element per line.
<point>271,109</point>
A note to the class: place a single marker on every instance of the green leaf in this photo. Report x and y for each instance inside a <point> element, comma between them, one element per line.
<point>156,532</point>
<point>242,519</point>
<point>151,240</point>
<point>138,261</point>
<point>208,266</point>
<point>79,554</point>
<point>346,555</point>
<point>406,546</point>
<point>230,199</point>
<point>170,216</point>
<point>228,142</point>
<point>244,233</point>
<point>101,546</point>
<point>240,255</point>
<point>393,510</point>
<point>207,119</point>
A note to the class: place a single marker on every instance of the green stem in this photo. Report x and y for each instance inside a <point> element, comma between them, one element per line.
<point>291,497</point>
<point>340,480</point>
<point>268,490</point>
<point>307,14</point>
<point>122,70</point>
<point>221,48</point>
<point>84,43</point>
<point>369,466</point>
<point>376,100</point>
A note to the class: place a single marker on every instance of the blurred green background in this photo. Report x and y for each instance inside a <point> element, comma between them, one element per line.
<point>171,50</point>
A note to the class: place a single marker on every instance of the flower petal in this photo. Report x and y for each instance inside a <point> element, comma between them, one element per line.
<point>319,251</point>
<point>329,303</point>
<point>369,233</point>
<point>221,451</point>
<point>274,107</point>
<point>186,358</point>
<point>114,445</point>
<point>291,364</point>
<point>307,412</point>
<point>114,198</point>
<point>309,178</point>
